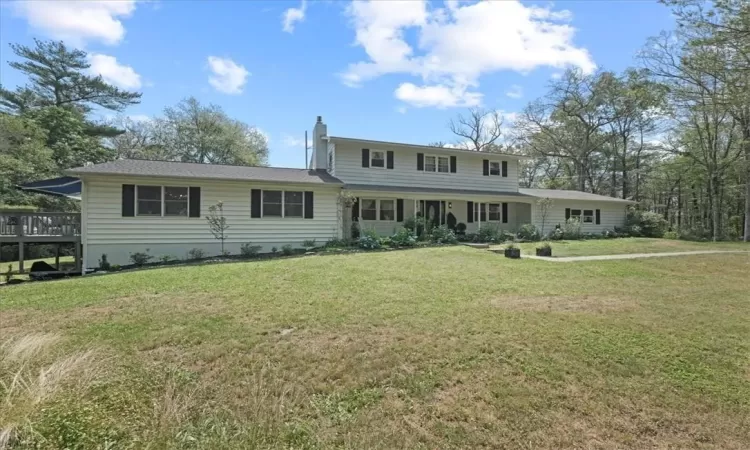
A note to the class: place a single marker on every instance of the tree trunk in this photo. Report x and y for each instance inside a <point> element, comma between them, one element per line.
<point>746,144</point>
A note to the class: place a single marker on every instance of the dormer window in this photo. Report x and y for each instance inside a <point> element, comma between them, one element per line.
<point>378,159</point>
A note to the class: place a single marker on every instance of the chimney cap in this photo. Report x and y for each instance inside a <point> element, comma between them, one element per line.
<point>320,119</point>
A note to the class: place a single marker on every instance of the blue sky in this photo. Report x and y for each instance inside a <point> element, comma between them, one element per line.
<point>395,71</point>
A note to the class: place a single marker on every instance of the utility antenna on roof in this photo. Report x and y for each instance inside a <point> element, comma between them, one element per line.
<point>307,159</point>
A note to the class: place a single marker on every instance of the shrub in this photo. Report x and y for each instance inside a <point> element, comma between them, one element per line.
<point>528,232</point>
<point>140,258</point>
<point>671,235</point>
<point>545,245</point>
<point>487,233</point>
<point>338,243</point>
<point>369,240</point>
<point>609,234</point>
<point>103,263</point>
<point>403,238</point>
<point>249,250</point>
<point>468,237</point>
<point>355,230</point>
<point>166,258</point>
<point>460,228</point>
<point>645,223</point>
<point>274,250</point>
<point>309,244</point>
<point>287,250</point>
<point>443,235</point>
<point>9,273</point>
<point>572,229</point>
<point>196,253</point>
<point>418,226</point>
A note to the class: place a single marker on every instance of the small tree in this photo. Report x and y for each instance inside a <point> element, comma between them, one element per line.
<point>544,204</point>
<point>217,223</point>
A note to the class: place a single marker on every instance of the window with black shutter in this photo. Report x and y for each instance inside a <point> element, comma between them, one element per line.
<point>505,213</point>
<point>469,212</point>
<point>389,160</point>
<point>400,210</point>
<point>486,167</point>
<point>420,161</point>
<point>195,202</point>
<point>365,157</point>
<point>505,168</point>
<point>128,200</point>
<point>453,164</point>
<point>309,203</point>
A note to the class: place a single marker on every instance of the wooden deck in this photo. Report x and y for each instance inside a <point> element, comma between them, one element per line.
<point>24,228</point>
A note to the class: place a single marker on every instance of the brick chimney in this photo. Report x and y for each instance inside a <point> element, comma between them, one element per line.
<point>319,158</point>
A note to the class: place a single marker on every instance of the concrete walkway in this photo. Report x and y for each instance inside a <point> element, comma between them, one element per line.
<point>631,255</point>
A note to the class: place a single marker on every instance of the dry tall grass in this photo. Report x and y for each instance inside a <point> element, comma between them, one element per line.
<point>28,378</point>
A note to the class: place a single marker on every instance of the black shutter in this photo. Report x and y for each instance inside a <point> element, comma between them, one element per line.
<point>505,213</point>
<point>255,202</point>
<point>128,200</point>
<point>399,210</point>
<point>309,202</point>
<point>453,164</point>
<point>355,210</point>
<point>505,168</point>
<point>486,167</point>
<point>598,216</point>
<point>420,161</point>
<point>567,213</point>
<point>389,160</point>
<point>483,212</point>
<point>365,157</point>
<point>194,208</point>
<point>469,212</point>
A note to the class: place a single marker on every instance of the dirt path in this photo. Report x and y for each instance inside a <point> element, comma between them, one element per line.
<point>631,255</point>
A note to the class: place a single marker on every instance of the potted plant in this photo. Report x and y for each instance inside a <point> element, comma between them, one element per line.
<point>511,251</point>
<point>544,250</point>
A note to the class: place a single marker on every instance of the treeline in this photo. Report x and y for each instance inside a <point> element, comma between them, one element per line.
<point>50,124</point>
<point>672,133</point>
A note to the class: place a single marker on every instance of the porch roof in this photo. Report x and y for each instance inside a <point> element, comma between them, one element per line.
<point>428,190</point>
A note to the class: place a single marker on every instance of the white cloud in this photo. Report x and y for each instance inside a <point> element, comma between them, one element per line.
<point>456,45</point>
<point>515,91</point>
<point>439,96</point>
<point>113,72</point>
<point>77,22</point>
<point>291,141</point>
<point>228,76</point>
<point>292,16</point>
<point>556,75</point>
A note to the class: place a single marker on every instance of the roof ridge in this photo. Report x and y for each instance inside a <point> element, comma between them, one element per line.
<point>200,163</point>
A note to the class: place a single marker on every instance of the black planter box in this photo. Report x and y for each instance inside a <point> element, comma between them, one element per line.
<point>544,251</point>
<point>514,253</point>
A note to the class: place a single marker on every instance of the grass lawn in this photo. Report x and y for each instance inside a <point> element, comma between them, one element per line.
<point>433,348</point>
<point>628,245</point>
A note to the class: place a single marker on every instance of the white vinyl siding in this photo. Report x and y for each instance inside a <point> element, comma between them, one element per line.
<point>612,215</point>
<point>108,232</point>
<point>469,169</point>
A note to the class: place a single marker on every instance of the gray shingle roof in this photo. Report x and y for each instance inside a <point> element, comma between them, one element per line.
<point>561,194</point>
<point>428,190</point>
<point>140,167</point>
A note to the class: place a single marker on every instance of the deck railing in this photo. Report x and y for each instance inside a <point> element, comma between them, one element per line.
<point>40,224</point>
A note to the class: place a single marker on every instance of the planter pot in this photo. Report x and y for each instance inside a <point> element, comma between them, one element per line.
<point>514,253</point>
<point>544,252</point>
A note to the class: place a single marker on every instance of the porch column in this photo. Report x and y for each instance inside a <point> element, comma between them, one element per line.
<point>20,256</point>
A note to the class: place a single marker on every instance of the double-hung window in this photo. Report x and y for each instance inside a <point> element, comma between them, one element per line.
<point>495,168</point>
<point>495,212</point>
<point>377,158</point>
<point>575,214</point>
<point>369,209</point>
<point>433,163</point>
<point>175,201</point>
<point>588,216</point>
<point>272,204</point>
<point>293,203</point>
<point>387,210</point>
<point>149,200</point>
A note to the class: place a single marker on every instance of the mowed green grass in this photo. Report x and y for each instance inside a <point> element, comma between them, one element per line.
<point>432,348</point>
<point>629,245</point>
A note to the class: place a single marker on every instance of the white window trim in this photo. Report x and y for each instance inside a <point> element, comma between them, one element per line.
<point>377,209</point>
<point>162,201</point>
<point>583,216</point>
<point>437,163</point>
<point>385,159</point>
<point>283,201</point>
<point>499,212</point>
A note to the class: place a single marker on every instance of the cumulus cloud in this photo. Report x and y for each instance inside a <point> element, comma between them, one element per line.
<point>113,72</point>
<point>439,96</point>
<point>515,91</point>
<point>457,44</point>
<point>293,15</point>
<point>227,76</point>
<point>77,22</point>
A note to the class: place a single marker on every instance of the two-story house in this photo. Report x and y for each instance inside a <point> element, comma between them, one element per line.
<point>159,207</point>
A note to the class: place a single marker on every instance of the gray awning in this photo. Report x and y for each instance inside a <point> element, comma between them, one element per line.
<point>61,187</point>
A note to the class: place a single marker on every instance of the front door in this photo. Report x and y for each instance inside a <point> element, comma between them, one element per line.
<point>432,212</point>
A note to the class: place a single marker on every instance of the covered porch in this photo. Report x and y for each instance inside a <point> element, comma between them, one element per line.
<point>386,211</point>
